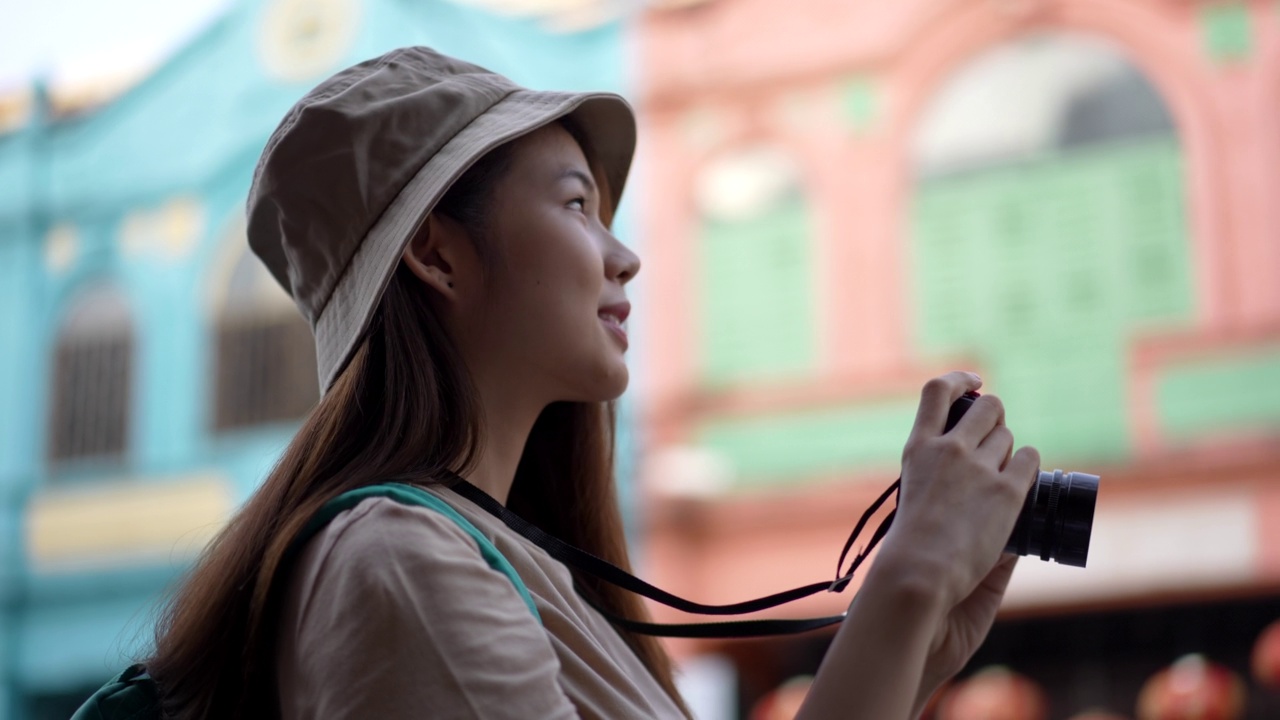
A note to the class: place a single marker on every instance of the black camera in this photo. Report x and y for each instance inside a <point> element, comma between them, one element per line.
<point>1056,521</point>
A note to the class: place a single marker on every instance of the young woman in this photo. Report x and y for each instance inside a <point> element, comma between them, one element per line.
<point>447,235</point>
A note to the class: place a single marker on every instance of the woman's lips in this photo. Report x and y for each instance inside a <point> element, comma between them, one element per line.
<point>613,316</point>
<point>611,323</point>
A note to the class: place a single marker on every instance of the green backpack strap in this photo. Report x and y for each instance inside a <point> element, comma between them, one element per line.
<point>410,495</point>
<point>132,695</point>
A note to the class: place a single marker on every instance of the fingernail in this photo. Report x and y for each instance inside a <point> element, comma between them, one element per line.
<point>976,377</point>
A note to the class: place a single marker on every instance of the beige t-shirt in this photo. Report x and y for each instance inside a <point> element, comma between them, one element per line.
<point>393,613</point>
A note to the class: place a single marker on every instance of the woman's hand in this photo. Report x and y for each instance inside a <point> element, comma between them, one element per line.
<point>962,631</point>
<point>931,594</point>
<point>961,494</point>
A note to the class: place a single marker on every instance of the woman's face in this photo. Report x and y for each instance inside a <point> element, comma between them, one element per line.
<point>548,319</point>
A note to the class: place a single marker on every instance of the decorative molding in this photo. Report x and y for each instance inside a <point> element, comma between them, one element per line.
<point>16,108</point>
<point>301,39</point>
<point>169,232</point>
<point>743,184</point>
<point>568,16</point>
<point>125,522</point>
<point>61,247</point>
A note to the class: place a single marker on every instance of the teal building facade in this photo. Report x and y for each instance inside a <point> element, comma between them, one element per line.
<point>149,372</point>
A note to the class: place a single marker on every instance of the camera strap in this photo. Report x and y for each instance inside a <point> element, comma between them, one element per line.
<point>610,573</point>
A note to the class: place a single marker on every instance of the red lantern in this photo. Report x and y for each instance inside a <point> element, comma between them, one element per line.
<point>930,711</point>
<point>1266,657</point>
<point>784,701</point>
<point>1192,689</point>
<point>994,693</point>
<point>1098,715</point>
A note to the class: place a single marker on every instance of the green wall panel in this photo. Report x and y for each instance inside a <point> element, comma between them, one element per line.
<point>1226,30</point>
<point>785,448</point>
<point>757,297</point>
<point>1042,271</point>
<point>1214,396</point>
<point>859,102</point>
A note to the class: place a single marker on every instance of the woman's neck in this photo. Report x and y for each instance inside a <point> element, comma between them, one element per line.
<point>509,415</point>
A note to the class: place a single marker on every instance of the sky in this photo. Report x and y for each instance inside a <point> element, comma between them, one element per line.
<point>77,40</point>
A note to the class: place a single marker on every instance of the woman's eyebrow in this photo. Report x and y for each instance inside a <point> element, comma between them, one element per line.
<point>580,176</point>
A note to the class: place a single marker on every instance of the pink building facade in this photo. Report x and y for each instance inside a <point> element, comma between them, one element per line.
<point>1134,285</point>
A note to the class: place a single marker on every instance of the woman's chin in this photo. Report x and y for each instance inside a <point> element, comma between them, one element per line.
<point>615,385</point>
<point>603,383</point>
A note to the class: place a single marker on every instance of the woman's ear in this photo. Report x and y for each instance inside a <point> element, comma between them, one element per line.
<point>433,253</point>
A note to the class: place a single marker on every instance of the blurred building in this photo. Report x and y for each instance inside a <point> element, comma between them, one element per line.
<point>1074,198</point>
<point>150,369</point>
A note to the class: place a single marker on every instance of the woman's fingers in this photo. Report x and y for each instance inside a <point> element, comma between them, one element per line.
<point>936,399</point>
<point>1023,467</point>
<point>986,413</point>
<point>996,448</point>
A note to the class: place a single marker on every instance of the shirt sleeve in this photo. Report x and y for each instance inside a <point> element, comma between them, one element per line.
<point>395,614</point>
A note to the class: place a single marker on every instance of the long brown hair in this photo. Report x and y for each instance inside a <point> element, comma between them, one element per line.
<point>404,407</point>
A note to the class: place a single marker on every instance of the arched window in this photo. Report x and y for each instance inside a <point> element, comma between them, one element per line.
<point>92,378</point>
<point>757,304</point>
<point>264,353</point>
<point>1048,227</point>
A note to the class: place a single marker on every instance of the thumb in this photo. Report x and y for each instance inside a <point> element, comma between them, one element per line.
<point>1023,465</point>
<point>981,605</point>
<point>997,581</point>
<point>990,591</point>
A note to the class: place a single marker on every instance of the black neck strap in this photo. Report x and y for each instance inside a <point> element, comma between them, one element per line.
<point>610,573</point>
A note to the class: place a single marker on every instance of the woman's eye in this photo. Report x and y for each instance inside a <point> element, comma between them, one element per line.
<point>578,203</point>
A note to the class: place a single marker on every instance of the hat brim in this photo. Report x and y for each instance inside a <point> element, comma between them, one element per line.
<point>610,128</point>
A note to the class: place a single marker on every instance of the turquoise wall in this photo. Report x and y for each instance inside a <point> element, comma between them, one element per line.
<point>193,129</point>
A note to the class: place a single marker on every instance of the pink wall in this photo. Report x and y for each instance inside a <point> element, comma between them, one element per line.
<point>741,61</point>
<point>744,62</point>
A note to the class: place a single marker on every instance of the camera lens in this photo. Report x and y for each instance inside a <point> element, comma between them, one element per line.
<point>1056,521</point>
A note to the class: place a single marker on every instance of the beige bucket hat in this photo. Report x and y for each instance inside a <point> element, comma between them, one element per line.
<point>356,165</point>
